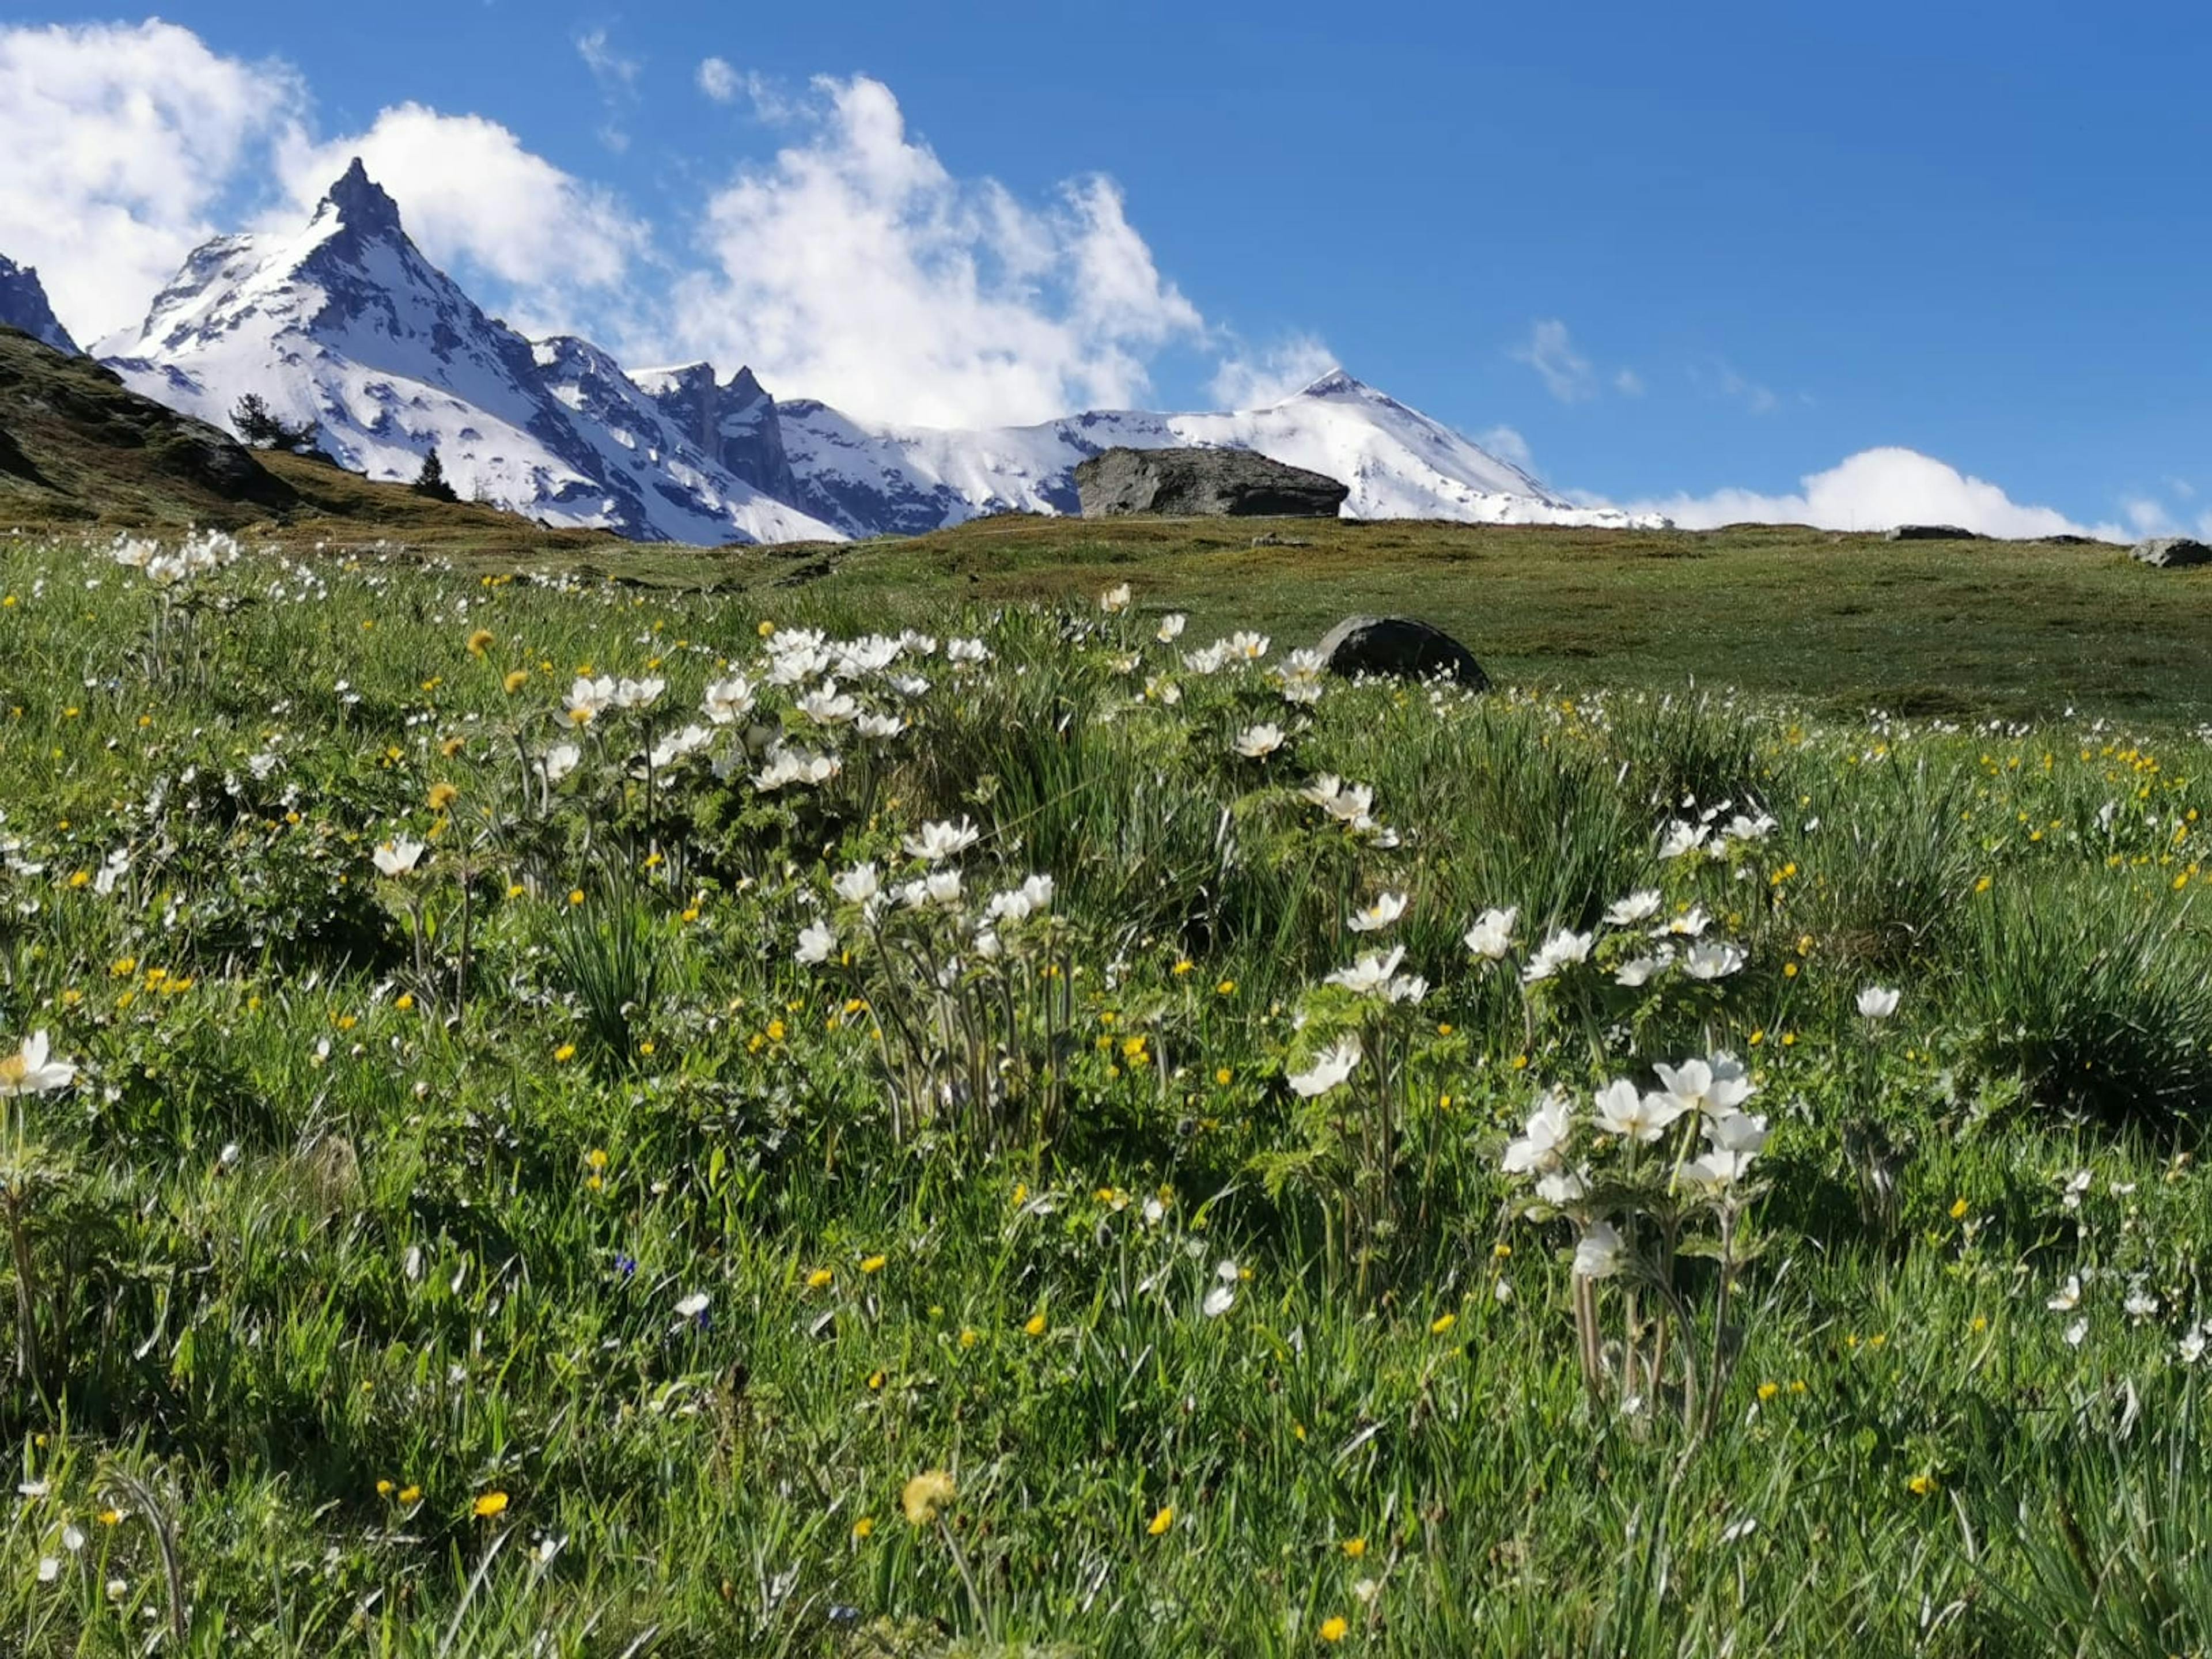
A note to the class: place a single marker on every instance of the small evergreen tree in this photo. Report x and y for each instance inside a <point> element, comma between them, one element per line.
<point>262,428</point>
<point>431,480</point>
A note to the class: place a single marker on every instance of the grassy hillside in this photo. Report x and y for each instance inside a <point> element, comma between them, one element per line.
<point>2023,629</point>
<point>78,448</point>
<point>494,1180</point>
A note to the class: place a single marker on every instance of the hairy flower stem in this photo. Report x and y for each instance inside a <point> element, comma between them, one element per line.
<point>968,1579</point>
<point>28,1365</point>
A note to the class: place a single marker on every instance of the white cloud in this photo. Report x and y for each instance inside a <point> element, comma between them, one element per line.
<point>1876,489</point>
<point>1628,383</point>
<point>121,142</point>
<point>613,71</point>
<point>1551,352</point>
<point>1722,377</point>
<point>719,81</point>
<point>855,266</point>
<point>617,78</point>
<point>1256,381</point>
<point>468,191</point>
<point>1508,444</point>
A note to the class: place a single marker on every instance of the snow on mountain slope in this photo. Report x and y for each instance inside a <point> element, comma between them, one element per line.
<point>345,322</point>
<point>1397,462</point>
<point>690,497</point>
<point>23,305</point>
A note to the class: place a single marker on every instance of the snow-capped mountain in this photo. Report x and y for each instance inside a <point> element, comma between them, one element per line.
<point>1397,462</point>
<point>345,322</point>
<point>23,305</point>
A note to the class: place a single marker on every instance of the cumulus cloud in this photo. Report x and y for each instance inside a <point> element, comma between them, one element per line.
<point>129,145</point>
<point>1550,350</point>
<point>856,266</point>
<point>1877,489</point>
<point>1267,377</point>
<point>121,142</point>
<point>471,194</point>
<point>719,81</point>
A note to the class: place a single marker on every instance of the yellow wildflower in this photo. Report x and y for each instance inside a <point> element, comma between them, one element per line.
<point>926,1494</point>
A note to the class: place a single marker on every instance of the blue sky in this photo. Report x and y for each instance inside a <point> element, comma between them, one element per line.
<point>1674,249</point>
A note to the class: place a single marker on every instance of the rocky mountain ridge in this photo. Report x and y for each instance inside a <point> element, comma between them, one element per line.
<point>345,322</point>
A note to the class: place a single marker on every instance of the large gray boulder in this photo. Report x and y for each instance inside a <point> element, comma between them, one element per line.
<point>1933,532</point>
<point>1401,646</point>
<point>2173,552</point>
<point>1203,483</point>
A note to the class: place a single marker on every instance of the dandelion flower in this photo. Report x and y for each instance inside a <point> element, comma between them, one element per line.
<point>927,1494</point>
<point>480,642</point>
<point>1035,1325</point>
<point>489,1504</point>
<point>1163,1521</point>
<point>1334,1629</point>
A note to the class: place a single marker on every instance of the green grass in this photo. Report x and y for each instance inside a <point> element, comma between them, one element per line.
<point>1834,622</point>
<point>373,1198</point>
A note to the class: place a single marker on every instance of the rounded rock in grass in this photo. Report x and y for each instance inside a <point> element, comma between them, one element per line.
<point>2171,552</point>
<point>1401,646</point>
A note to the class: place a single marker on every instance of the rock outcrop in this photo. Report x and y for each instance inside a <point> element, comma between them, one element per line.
<point>1399,647</point>
<point>2171,552</point>
<point>1203,483</point>
<point>23,305</point>
<point>1933,532</point>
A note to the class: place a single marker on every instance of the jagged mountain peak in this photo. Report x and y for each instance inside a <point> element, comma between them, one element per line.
<point>344,322</point>
<point>1334,383</point>
<point>23,305</point>
<point>364,206</point>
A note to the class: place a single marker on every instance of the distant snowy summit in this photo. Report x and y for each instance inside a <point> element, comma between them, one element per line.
<point>346,323</point>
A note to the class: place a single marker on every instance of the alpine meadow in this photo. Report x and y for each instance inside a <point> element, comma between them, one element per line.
<point>552,1115</point>
<point>1208,832</point>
